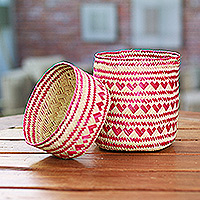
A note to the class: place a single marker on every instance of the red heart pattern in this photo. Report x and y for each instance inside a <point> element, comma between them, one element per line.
<point>157,108</point>
<point>121,108</point>
<point>143,85</point>
<point>117,131</point>
<point>155,85</point>
<point>145,108</point>
<point>164,84</point>
<point>160,129</point>
<point>128,131</point>
<point>133,109</point>
<point>110,85</point>
<point>131,87</point>
<point>120,86</point>
<point>151,131</point>
<point>166,106</point>
<point>140,132</point>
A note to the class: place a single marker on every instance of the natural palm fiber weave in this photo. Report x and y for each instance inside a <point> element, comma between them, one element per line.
<point>144,89</point>
<point>66,111</point>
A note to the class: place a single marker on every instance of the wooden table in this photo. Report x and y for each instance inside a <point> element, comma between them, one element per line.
<point>173,173</point>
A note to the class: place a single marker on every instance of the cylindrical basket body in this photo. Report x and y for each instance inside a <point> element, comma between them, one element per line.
<point>66,111</point>
<point>144,89</point>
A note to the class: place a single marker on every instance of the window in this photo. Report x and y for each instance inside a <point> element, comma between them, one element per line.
<point>99,22</point>
<point>7,47</point>
<point>157,23</point>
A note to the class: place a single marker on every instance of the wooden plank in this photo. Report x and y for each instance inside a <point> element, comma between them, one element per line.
<point>180,147</point>
<point>189,120</point>
<point>173,173</point>
<point>10,161</point>
<point>188,135</point>
<point>101,180</point>
<point>189,115</point>
<point>102,162</point>
<point>7,146</point>
<point>188,124</point>
<point>11,122</point>
<point>8,134</point>
<point>95,195</point>
<point>183,147</point>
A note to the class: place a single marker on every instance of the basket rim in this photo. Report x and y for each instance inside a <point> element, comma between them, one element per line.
<point>67,111</point>
<point>137,54</point>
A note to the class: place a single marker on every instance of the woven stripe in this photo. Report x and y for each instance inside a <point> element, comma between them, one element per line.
<point>152,100</point>
<point>85,115</point>
<point>37,97</point>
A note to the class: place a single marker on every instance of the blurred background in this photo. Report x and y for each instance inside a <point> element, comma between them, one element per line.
<point>36,34</point>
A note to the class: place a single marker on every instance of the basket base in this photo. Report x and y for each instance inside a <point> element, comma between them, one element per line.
<point>136,148</point>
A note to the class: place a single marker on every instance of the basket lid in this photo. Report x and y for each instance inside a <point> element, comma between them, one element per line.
<point>65,111</point>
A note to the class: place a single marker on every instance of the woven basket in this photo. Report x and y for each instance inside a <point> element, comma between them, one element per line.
<point>144,89</point>
<point>66,111</point>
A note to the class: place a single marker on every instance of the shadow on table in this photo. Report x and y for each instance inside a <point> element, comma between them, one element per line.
<point>52,162</point>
